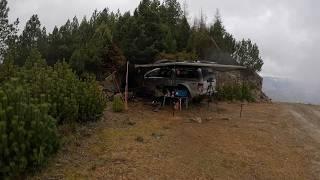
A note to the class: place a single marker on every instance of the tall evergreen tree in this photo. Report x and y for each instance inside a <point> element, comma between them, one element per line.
<point>183,33</point>
<point>85,31</point>
<point>31,33</point>
<point>42,44</point>
<point>171,12</point>
<point>32,37</point>
<point>224,40</point>
<point>7,30</point>
<point>151,36</point>
<point>217,32</point>
<point>127,31</point>
<point>54,54</point>
<point>247,54</point>
<point>66,46</point>
<point>74,25</point>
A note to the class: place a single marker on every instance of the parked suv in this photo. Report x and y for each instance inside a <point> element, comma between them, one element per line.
<point>194,80</point>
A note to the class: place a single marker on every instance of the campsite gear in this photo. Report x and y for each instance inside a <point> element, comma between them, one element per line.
<point>176,96</point>
<point>111,86</point>
<point>181,93</point>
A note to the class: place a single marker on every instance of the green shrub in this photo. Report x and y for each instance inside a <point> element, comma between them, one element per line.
<point>235,92</point>
<point>246,93</point>
<point>91,99</point>
<point>32,103</point>
<point>72,99</point>
<point>117,104</point>
<point>63,93</point>
<point>28,134</point>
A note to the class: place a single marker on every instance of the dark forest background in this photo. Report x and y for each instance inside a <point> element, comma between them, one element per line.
<point>105,41</point>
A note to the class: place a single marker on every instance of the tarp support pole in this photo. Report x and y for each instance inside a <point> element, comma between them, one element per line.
<point>126,89</point>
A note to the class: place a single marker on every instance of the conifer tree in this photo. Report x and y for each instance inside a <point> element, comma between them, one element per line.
<point>7,30</point>
<point>32,37</point>
<point>247,54</point>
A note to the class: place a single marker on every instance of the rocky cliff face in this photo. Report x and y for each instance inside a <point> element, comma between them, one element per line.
<point>243,76</point>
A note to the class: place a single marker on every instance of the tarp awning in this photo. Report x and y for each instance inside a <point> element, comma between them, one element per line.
<point>218,67</point>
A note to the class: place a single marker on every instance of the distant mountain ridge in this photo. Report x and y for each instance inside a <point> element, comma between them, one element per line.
<point>288,90</point>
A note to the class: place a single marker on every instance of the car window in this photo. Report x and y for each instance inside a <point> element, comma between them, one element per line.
<point>208,73</point>
<point>160,73</point>
<point>154,73</point>
<point>165,73</point>
<point>186,73</point>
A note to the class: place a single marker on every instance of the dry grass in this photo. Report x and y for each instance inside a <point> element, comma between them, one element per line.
<point>264,144</point>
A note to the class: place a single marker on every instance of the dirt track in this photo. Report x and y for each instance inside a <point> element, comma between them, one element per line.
<point>270,141</point>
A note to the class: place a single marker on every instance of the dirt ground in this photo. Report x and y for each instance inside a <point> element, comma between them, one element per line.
<point>270,141</point>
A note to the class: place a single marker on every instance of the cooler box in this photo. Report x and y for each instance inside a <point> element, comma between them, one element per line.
<point>181,93</point>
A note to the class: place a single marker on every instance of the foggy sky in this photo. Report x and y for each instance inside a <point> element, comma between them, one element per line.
<point>286,31</point>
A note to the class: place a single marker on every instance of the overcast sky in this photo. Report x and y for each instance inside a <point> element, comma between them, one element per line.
<point>286,31</point>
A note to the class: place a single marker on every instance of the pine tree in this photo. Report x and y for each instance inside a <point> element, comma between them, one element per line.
<point>34,59</point>
<point>54,41</point>
<point>85,31</point>
<point>7,30</point>
<point>224,43</point>
<point>7,68</point>
<point>74,25</point>
<point>65,47</point>
<point>150,39</point>
<point>183,34</point>
<point>217,32</point>
<point>32,37</point>
<point>247,54</point>
<point>171,12</point>
<point>42,43</point>
<point>98,48</point>
<point>125,35</point>
<point>31,33</point>
<point>171,43</point>
<point>78,60</point>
